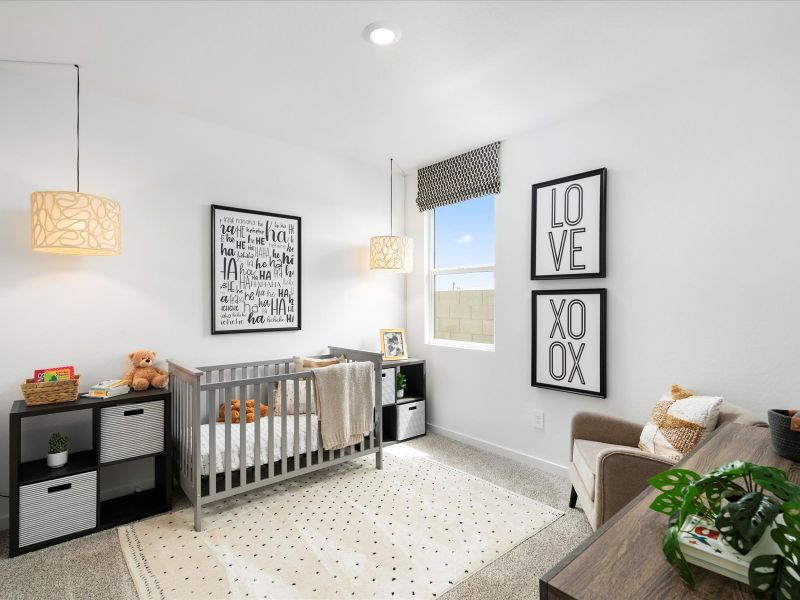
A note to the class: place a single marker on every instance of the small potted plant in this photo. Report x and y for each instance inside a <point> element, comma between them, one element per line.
<point>741,503</point>
<point>57,451</point>
<point>402,382</point>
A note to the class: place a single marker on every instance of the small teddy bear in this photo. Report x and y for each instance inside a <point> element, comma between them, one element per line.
<point>250,411</point>
<point>143,372</point>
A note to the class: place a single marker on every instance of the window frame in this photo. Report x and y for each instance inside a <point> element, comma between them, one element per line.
<point>430,285</point>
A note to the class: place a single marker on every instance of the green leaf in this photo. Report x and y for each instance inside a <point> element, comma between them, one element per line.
<point>774,480</point>
<point>716,489</point>
<point>732,470</point>
<point>742,523</point>
<point>673,484</point>
<point>673,480</point>
<point>791,515</point>
<point>773,576</point>
<point>672,551</point>
<point>666,503</point>
<point>787,542</point>
<point>691,505</point>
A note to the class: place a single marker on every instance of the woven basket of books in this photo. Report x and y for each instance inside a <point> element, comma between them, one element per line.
<point>50,392</point>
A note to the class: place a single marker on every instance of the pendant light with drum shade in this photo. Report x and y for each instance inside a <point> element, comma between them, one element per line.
<point>391,253</point>
<point>64,222</point>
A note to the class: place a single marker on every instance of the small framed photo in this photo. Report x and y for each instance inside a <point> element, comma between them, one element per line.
<point>569,341</point>
<point>568,229</point>
<point>393,344</point>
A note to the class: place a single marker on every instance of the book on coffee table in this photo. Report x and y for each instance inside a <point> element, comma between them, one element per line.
<point>702,544</point>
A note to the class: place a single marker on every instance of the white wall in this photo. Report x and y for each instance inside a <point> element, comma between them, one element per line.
<point>166,170</point>
<point>702,279</point>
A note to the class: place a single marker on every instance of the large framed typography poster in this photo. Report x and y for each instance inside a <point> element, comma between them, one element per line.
<point>569,341</point>
<point>255,271</point>
<point>569,227</point>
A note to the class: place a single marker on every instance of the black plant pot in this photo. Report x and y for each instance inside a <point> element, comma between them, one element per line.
<point>785,442</point>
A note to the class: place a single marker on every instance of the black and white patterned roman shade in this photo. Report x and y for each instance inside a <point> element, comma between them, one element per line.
<point>469,175</point>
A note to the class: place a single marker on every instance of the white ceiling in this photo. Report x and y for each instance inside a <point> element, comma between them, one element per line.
<point>464,73</point>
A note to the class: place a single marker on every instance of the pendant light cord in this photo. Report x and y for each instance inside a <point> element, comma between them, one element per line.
<point>78,131</point>
<point>78,118</point>
<point>391,196</point>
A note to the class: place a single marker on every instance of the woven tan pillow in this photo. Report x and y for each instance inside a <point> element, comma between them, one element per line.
<point>302,364</point>
<point>678,422</point>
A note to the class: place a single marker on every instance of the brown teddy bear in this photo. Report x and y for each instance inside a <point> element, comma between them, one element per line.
<point>250,411</point>
<point>143,372</point>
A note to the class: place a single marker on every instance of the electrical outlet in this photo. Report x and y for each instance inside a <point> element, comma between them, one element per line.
<point>538,419</point>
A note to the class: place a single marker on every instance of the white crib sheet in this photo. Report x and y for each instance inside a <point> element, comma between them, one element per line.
<point>219,448</point>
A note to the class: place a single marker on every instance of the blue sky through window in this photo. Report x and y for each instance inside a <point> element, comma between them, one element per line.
<point>463,237</point>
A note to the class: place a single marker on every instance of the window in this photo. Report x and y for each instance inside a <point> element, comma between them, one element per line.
<point>461,278</point>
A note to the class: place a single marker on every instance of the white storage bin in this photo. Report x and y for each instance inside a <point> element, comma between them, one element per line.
<point>410,420</point>
<point>388,385</point>
<point>57,507</point>
<point>131,430</point>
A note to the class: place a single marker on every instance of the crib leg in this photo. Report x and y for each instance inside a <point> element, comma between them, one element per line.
<point>379,459</point>
<point>198,516</point>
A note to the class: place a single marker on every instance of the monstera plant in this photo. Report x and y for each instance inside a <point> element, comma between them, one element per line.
<point>743,500</point>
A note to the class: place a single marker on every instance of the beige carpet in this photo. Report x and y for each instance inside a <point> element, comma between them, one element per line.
<point>414,529</point>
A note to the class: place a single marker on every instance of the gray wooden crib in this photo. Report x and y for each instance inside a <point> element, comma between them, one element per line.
<point>216,460</point>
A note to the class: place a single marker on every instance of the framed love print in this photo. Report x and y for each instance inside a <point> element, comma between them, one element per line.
<point>568,229</point>
<point>569,341</point>
<point>255,271</point>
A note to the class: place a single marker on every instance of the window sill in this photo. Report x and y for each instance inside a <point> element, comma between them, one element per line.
<point>461,345</point>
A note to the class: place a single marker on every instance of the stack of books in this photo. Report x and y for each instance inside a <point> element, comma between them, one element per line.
<point>108,389</point>
<point>703,545</point>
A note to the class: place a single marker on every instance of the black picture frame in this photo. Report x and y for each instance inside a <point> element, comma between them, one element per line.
<point>601,271</point>
<point>602,293</point>
<point>298,276</point>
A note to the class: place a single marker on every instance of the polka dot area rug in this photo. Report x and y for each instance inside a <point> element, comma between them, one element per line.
<point>412,530</point>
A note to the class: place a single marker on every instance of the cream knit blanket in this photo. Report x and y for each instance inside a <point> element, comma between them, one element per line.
<point>345,400</point>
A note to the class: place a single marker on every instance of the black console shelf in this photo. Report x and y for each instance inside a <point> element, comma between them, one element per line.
<point>395,409</point>
<point>110,513</point>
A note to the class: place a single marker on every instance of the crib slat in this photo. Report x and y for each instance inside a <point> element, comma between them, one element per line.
<point>296,436</point>
<point>257,395</point>
<point>242,435</point>
<point>270,430</point>
<point>372,429</point>
<point>212,441</point>
<point>227,439</point>
<point>283,426</point>
<point>192,409</point>
<point>320,451</point>
<point>308,422</point>
<point>184,441</point>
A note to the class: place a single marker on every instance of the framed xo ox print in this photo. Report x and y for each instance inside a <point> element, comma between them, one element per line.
<point>569,341</point>
<point>568,230</point>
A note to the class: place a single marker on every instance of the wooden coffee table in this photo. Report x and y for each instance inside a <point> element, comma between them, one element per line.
<point>623,559</point>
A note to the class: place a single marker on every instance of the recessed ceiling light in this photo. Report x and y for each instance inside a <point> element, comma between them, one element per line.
<point>381,33</point>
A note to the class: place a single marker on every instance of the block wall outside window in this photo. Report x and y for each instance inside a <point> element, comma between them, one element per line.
<point>466,316</point>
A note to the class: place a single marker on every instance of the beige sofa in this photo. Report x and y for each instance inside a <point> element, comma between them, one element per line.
<point>607,469</point>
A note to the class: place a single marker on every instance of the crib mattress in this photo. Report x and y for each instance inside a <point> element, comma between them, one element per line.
<point>277,433</point>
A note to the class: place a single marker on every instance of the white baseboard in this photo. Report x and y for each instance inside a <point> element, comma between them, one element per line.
<point>534,461</point>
